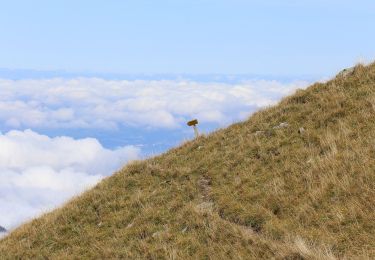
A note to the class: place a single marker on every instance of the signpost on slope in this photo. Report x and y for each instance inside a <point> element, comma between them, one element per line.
<point>194,123</point>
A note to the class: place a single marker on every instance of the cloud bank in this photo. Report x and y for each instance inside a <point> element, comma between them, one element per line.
<point>110,104</point>
<point>38,173</point>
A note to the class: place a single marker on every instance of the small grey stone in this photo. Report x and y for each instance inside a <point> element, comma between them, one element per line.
<point>205,207</point>
<point>281,125</point>
<point>259,133</point>
<point>301,130</point>
<point>346,72</point>
<point>130,225</point>
<point>184,230</point>
<point>157,234</point>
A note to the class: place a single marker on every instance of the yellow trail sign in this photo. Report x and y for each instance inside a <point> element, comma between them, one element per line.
<point>192,122</point>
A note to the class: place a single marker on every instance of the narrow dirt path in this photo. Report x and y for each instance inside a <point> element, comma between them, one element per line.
<point>282,250</point>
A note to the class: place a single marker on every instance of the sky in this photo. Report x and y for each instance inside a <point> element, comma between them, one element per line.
<point>88,86</point>
<point>187,36</point>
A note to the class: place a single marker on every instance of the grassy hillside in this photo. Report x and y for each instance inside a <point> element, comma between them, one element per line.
<point>302,190</point>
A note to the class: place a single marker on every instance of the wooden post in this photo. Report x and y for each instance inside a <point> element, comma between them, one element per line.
<point>196,131</point>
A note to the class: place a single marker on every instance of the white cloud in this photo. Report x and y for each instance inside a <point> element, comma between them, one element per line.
<point>102,104</point>
<point>38,173</point>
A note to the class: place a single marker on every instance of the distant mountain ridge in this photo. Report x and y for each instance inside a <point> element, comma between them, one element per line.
<point>21,74</point>
<point>2,229</point>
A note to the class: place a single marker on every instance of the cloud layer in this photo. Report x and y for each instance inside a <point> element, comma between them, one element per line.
<point>38,173</point>
<point>108,104</point>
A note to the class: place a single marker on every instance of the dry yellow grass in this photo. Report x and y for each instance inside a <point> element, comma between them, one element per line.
<point>250,191</point>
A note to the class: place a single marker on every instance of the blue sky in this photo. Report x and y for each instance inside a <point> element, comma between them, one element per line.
<point>87,86</point>
<point>261,37</point>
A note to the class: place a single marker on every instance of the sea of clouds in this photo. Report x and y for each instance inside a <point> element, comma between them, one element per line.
<point>101,104</point>
<point>39,172</point>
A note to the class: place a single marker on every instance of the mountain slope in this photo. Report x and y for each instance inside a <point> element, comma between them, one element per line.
<point>294,181</point>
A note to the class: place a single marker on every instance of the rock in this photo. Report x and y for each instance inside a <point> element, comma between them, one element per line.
<point>160,233</point>
<point>157,234</point>
<point>282,125</point>
<point>2,230</point>
<point>301,130</point>
<point>130,225</point>
<point>184,230</point>
<point>346,72</point>
<point>205,207</point>
<point>259,133</point>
